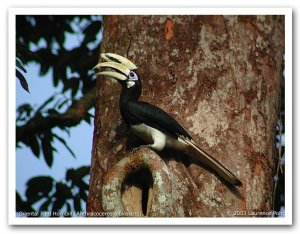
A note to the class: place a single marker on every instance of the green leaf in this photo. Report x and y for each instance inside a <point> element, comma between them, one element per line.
<point>68,214</point>
<point>57,205</point>
<point>68,28</point>
<point>52,112</point>
<point>77,203</point>
<point>22,205</point>
<point>34,145</point>
<point>67,85</point>
<point>65,129</point>
<point>56,76</point>
<point>83,195</point>
<point>32,142</point>
<point>91,31</point>
<point>77,175</point>
<point>87,119</point>
<point>84,186</point>
<point>47,150</point>
<point>44,69</point>
<point>45,205</point>
<point>75,86</point>
<point>82,171</point>
<point>45,103</point>
<point>25,108</point>
<point>63,191</point>
<point>22,80</point>
<point>20,65</point>
<point>38,188</point>
<point>62,103</point>
<point>65,144</point>
<point>69,174</point>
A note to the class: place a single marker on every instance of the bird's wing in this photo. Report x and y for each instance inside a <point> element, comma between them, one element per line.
<point>143,112</point>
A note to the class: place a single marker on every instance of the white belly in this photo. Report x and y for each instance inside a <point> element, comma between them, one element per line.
<point>158,139</point>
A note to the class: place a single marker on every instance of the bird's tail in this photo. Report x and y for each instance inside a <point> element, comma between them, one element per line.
<point>211,162</point>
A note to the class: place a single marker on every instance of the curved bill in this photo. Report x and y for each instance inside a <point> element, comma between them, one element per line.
<point>116,66</point>
<point>111,57</point>
<point>121,66</point>
<point>113,74</point>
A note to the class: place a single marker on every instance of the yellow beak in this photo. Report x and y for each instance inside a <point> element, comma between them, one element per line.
<point>120,66</point>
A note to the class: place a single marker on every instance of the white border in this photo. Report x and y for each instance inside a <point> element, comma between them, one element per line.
<point>152,11</point>
<point>13,220</point>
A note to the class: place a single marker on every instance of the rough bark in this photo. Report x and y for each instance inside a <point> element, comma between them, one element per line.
<point>219,77</point>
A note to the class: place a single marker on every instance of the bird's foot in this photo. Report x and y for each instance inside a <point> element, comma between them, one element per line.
<point>140,147</point>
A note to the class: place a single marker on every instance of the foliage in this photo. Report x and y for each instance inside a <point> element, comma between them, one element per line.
<point>55,196</point>
<point>41,39</point>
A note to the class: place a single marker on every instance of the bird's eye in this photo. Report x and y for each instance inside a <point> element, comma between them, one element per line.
<point>133,76</point>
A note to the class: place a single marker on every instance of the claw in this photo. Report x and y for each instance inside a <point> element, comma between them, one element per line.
<point>140,147</point>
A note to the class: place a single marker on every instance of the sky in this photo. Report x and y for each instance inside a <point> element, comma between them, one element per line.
<point>79,140</point>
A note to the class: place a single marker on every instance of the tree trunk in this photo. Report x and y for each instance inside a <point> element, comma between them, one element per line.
<point>219,77</point>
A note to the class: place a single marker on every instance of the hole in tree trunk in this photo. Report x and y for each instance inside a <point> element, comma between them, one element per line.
<point>137,191</point>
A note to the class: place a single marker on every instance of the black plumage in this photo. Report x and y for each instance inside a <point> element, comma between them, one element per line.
<point>137,112</point>
<point>151,123</point>
<point>143,112</point>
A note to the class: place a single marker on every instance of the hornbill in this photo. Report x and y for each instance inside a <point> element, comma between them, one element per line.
<point>151,123</point>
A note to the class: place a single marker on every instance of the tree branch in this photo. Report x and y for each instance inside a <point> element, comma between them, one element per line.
<point>72,116</point>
